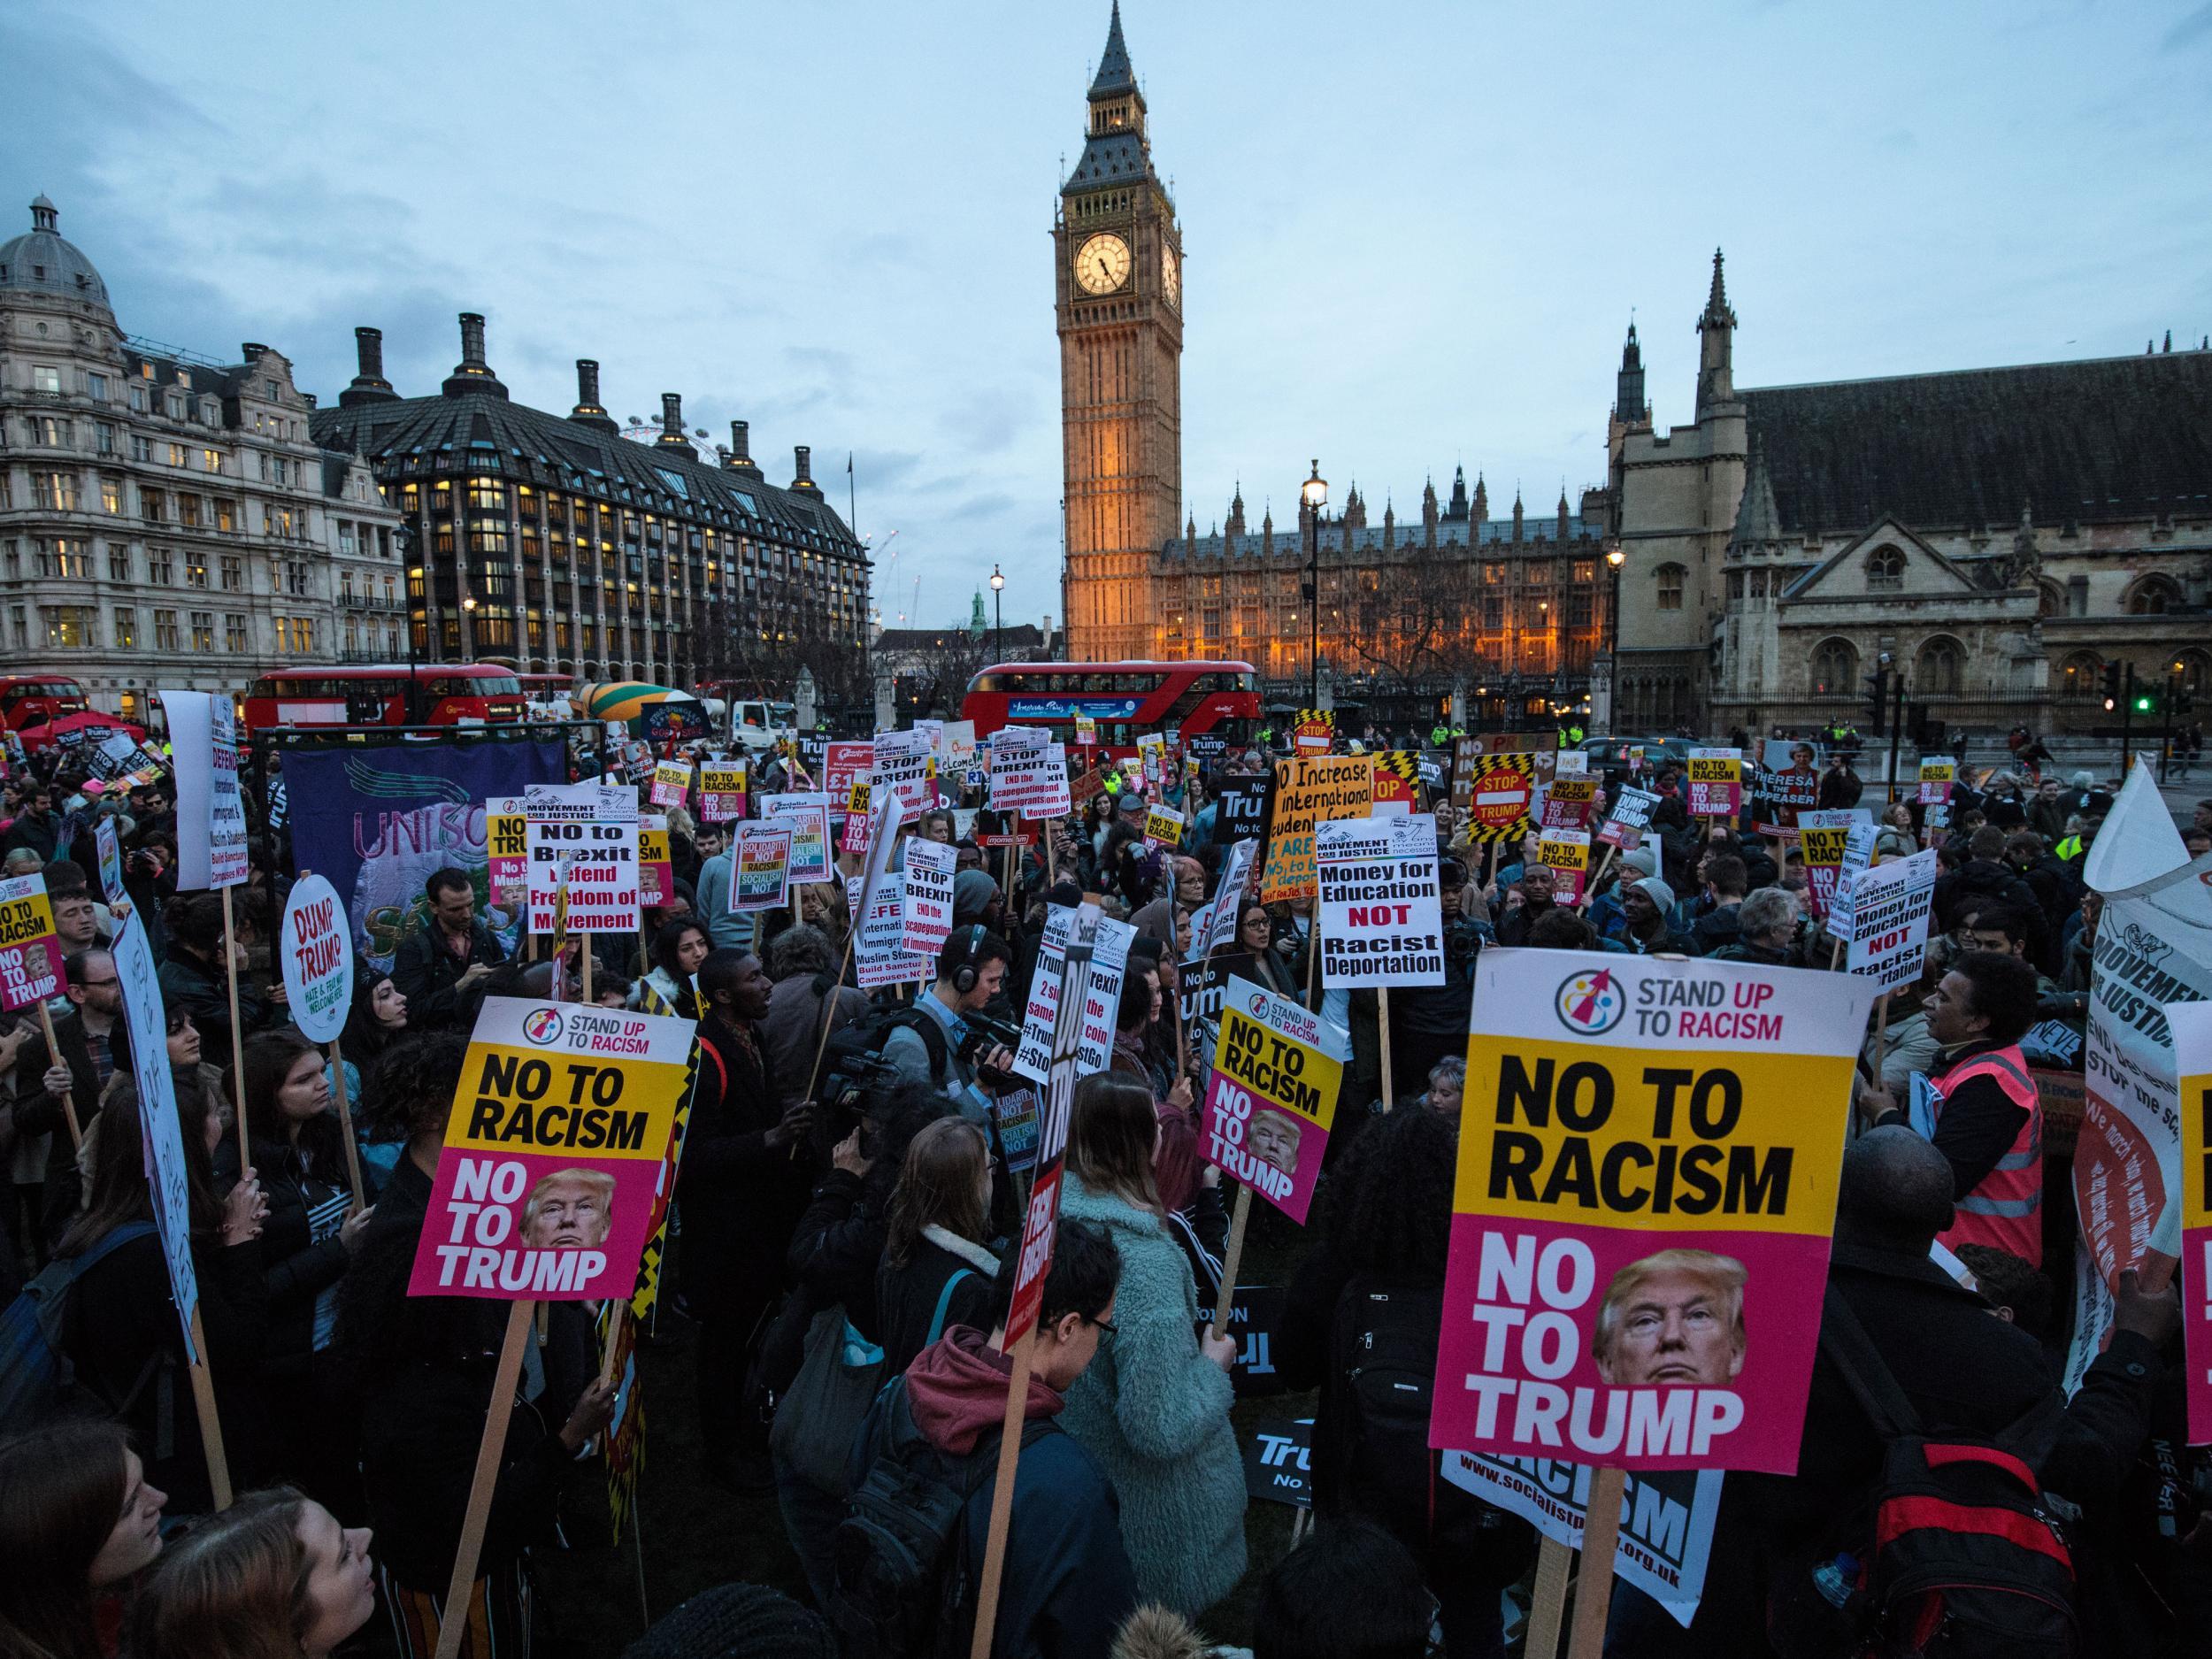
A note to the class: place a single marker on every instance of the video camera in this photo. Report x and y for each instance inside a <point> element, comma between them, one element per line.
<point>986,1033</point>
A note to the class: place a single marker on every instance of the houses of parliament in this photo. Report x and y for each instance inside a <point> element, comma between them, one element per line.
<point>1997,537</point>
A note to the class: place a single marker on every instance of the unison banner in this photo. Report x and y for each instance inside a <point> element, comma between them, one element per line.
<point>377,822</point>
<point>1648,1157</point>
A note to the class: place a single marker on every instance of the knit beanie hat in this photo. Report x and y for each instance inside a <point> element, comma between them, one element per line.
<point>973,892</point>
<point>1661,894</point>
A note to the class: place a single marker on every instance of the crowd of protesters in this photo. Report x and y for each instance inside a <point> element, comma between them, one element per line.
<point>844,1200</point>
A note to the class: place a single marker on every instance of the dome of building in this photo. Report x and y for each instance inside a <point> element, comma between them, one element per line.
<point>39,262</point>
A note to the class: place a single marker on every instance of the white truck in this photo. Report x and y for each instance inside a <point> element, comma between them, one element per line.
<point>755,725</point>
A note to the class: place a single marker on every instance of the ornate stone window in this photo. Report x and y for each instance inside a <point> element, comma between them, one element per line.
<point>1835,669</point>
<point>2080,676</point>
<point>2153,597</point>
<point>1884,571</point>
<point>1939,669</point>
<point>1670,580</point>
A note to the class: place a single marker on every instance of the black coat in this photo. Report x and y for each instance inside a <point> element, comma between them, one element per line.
<point>188,984</point>
<point>906,1301</point>
<point>38,1113</point>
<point>740,1196</point>
<point>301,1256</point>
<point>429,976</point>
<point>838,1245</point>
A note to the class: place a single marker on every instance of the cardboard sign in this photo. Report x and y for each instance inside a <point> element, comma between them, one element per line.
<point>1307,792</point>
<point>1938,774</point>
<point>1569,800</point>
<point>139,981</point>
<point>1214,924</point>
<point>1889,909</point>
<point>926,918</point>
<point>1271,1097</point>
<point>30,955</point>
<point>760,867</point>
<point>1095,1034</point>
<point>672,783</point>
<point>1278,1462</point>
<point>902,765</point>
<point>210,810</point>
<point>1162,826</point>
<point>506,847</point>
<point>955,744</point>
<point>1382,920</point>
<point>1566,852</point>
<point>1041,1220</point>
<point>878,958</point>
<point>111,861</point>
<point>1629,818</point>
<point>721,791</point>
<point>1667,1516</point>
<point>656,868</point>
<point>1648,1148</point>
<point>594,861</point>
<point>845,765</point>
<point>2192,1025</point>
<point>1240,807</point>
<point>1822,837</point>
<point>316,958</point>
<point>546,1187</point>
<point>807,817</point>
<point>1499,793</point>
<point>1716,782</point>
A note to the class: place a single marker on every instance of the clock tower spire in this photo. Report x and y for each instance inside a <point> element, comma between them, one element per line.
<point>1118,306</point>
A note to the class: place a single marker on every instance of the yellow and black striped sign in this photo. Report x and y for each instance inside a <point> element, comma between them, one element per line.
<point>1501,789</point>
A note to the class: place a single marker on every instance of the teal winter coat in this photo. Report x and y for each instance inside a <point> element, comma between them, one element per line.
<point>1155,1412</point>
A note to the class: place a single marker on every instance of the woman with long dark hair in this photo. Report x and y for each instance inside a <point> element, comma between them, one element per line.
<point>938,1265</point>
<point>679,948</point>
<point>124,1336</point>
<point>273,1576</point>
<point>194,978</point>
<point>377,1020</point>
<point>1256,935</point>
<point>78,1521</point>
<point>1152,1407</point>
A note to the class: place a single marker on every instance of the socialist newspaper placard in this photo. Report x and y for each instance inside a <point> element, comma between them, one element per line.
<point>760,866</point>
<point>1938,774</point>
<point>1569,802</point>
<point>927,917</point>
<point>1889,908</point>
<point>1566,854</point>
<point>721,791</point>
<point>671,782</point>
<point>656,869</point>
<point>1095,1034</point>
<point>1309,791</point>
<point>1649,1158</point>
<point>560,1118</point>
<point>2192,1023</point>
<point>807,817</point>
<point>1382,922</point>
<point>1271,1097</point>
<point>1716,782</point>
<point>1629,818</point>
<point>1162,826</point>
<point>1667,1516</point>
<point>30,954</point>
<point>1823,835</point>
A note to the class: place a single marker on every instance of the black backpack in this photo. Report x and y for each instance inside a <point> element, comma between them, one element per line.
<point>854,1051</point>
<point>1370,1442</point>
<point>1955,1552</point>
<point>38,1380</point>
<point>905,1574</point>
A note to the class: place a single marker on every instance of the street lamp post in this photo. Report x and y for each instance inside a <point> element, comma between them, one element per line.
<point>1315,491</point>
<point>998,612</point>
<point>1614,558</point>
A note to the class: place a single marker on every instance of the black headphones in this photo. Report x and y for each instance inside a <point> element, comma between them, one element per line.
<point>963,977</point>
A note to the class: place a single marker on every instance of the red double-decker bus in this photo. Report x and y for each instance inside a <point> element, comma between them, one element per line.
<point>1216,700</point>
<point>446,694</point>
<point>38,698</point>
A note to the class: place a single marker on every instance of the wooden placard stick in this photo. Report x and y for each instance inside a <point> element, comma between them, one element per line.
<point>583,947</point>
<point>453,1627</point>
<point>1548,1605</point>
<point>211,1425</point>
<point>1382,1025</point>
<point>1593,1584</point>
<point>1009,1447</point>
<point>1231,1257</point>
<point>53,1057</point>
<point>829,1009</point>
<point>1313,954</point>
<point>237,1037</point>
<point>1590,888</point>
<point>614,1338</point>
<point>345,1125</point>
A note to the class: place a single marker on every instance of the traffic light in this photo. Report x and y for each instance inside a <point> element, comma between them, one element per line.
<point>2147,702</point>
<point>1878,702</point>
<point>2112,687</point>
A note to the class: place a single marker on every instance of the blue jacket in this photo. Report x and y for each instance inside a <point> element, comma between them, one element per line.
<point>736,932</point>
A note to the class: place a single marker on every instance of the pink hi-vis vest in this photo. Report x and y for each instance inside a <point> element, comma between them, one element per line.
<point>2006,1209</point>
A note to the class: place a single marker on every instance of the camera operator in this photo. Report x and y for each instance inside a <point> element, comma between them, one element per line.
<point>950,1044</point>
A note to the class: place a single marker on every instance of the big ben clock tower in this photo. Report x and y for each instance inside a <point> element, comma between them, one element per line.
<point>1119,287</point>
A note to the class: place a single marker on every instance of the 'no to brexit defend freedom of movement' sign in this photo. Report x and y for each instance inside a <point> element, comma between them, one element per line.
<point>553,1151</point>
<point>1649,1158</point>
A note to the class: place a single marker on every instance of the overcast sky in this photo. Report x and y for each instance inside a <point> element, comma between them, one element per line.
<point>1415,233</point>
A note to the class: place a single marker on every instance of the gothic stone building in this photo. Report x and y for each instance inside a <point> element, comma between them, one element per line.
<point>561,545</point>
<point>166,520</point>
<point>1998,536</point>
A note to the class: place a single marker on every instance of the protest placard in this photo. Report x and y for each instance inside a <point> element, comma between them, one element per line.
<point>903,762</point>
<point>1018,1116</point>
<point>1278,1462</point>
<point>506,848</point>
<point>1645,1142</point>
<point>1152,760</point>
<point>1823,835</point>
<point>316,958</point>
<point>1313,730</point>
<point>807,817</point>
<point>844,765</point>
<point>30,954</point>
<point>1381,919</point>
<point>721,791</point>
<point>878,958</point>
<point>1785,784</point>
<point>1307,791</point>
<point>1162,826</point>
<point>1889,907</point>
<point>1666,1531</point>
<point>1393,786</point>
<point>1499,792</point>
<point>1631,817</point>
<point>1030,779</point>
<point>108,855</point>
<point>595,862</point>
<point>1240,807</point>
<point>672,783</point>
<point>1214,925</point>
<point>1566,853</point>
<point>211,812</point>
<point>656,868</point>
<point>2192,1023</point>
<point>927,917</point>
<point>1109,954</point>
<point>1271,1097</point>
<point>1086,730</point>
<point>1938,774</point>
<point>1255,1318</point>
<point>1200,984</point>
<point>2153,954</point>
<point>760,866</point>
<point>546,1185</point>
<point>1569,800</point>
<point>1716,782</point>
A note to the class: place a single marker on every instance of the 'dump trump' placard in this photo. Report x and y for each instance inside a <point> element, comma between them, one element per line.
<point>1648,1156</point>
<point>553,1151</point>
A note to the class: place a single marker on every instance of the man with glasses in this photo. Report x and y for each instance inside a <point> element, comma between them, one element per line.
<point>92,1042</point>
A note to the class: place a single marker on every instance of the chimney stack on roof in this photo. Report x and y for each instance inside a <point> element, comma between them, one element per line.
<point>472,373</point>
<point>801,458</point>
<point>369,384</point>
<point>673,421</point>
<point>589,411</point>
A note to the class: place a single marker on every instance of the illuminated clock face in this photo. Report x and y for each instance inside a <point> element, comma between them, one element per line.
<point>1171,277</point>
<point>1102,264</point>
